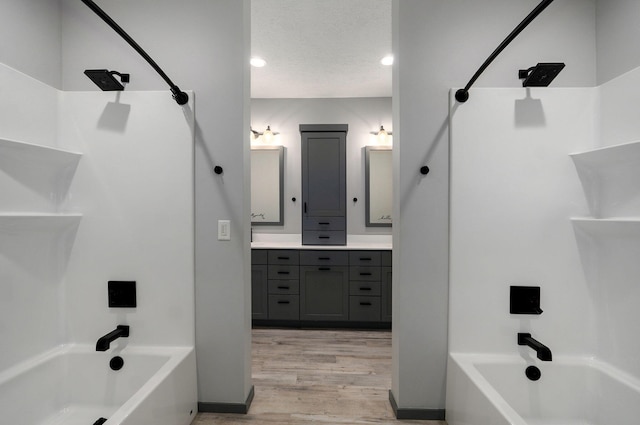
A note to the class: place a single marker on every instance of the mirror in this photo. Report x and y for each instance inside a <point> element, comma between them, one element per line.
<point>378,186</point>
<point>267,185</point>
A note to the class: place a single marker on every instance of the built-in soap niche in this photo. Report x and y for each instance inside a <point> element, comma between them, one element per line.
<point>122,294</point>
<point>524,300</point>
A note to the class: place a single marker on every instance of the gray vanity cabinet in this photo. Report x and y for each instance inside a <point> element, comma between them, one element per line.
<point>386,286</point>
<point>324,177</point>
<point>324,285</point>
<point>259,285</point>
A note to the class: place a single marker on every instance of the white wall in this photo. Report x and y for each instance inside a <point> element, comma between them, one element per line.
<point>134,189</point>
<point>618,37</point>
<point>363,115</point>
<point>439,45</point>
<point>514,190</point>
<point>31,38</point>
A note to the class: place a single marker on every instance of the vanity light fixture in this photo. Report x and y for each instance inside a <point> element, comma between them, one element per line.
<point>387,60</point>
<point>267,135</point>
<point>381,135</point>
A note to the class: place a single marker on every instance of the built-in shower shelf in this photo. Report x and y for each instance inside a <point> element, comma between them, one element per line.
<point>11,222</point>
<point>609,156</point>
<point>622,226</point>
<point>55,156</point>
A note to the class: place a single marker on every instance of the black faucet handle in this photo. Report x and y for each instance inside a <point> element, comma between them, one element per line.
<point>124,329</point>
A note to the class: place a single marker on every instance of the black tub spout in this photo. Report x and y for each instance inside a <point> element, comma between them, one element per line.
<point>104,343</point>
<point>543,352</point>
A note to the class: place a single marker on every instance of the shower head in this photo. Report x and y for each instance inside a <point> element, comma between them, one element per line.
<point>105,79</point>
<point>540,75</point>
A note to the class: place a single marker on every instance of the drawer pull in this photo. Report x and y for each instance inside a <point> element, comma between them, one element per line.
<point>366,274</point>
<point>366,259</point>
<point>283,272</point>
<point>324,237</point>
<point>324,258</point>
<point>283,287</point>
<point>283,258</point>
<point>283,302</point>
<point>365,288</point>
<point>324,223</point>
<point>324,268</point>
<point>365,303</point>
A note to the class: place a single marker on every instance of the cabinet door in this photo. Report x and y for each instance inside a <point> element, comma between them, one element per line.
<point>259,292</point>
<point>324,174</point>
<point>324,293</point>
<point>386,294</point>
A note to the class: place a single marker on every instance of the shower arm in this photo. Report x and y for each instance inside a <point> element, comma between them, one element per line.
<point>179,96</point>
<point>462,95</point>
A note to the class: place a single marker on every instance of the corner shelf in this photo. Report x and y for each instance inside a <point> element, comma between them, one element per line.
<point>612,227</point>
<point>53,155</point>
<point>610,155</point>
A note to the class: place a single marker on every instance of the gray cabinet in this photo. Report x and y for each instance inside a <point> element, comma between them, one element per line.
<point>306,287</point>
<point>259,285</point>
<point>324,176</point>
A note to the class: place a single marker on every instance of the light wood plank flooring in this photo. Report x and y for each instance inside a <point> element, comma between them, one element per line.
<point>318,376</point>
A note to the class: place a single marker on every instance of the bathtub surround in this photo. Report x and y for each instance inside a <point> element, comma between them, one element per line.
<point>87,200</point>
<point>579,241</point>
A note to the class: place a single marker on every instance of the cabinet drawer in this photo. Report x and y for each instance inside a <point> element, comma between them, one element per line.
<point>284,307</point>
<point>284,287</point>
<point>283,256</point>
<point>365,288</point>
<point>283,272</point>
<point>324,258</point>
<point>330,237</point>
<point>324,223</point>
<point>364,273</point>
<point>364,309</point>
<point>386,258</point>
<point>364,258</point>
<point>258,256</point>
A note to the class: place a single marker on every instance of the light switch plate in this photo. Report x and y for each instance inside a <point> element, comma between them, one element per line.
<point>224,230</point>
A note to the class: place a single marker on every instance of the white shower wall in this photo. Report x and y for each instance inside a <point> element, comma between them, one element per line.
<point>121,209</point>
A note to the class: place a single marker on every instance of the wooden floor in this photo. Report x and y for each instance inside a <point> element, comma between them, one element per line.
<point>318,376</point>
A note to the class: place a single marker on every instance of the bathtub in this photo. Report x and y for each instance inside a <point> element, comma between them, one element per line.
<point>493,390</point>
<point>75,385</point>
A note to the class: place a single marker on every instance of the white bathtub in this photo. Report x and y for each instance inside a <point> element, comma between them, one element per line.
<point>74,385</point>
<point>493,390</point>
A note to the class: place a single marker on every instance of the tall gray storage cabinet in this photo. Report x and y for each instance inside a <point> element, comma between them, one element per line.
<point>324,184</point>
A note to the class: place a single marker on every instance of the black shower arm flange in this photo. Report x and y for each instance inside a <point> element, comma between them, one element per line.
<point>180,96</point>
<point>462,95</point>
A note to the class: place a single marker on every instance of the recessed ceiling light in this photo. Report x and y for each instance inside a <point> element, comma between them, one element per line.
<point>387,60</point>
<point>258,62</point>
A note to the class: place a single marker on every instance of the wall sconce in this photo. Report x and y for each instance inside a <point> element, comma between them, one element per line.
<point>382,135</point>
<point>267,136</point>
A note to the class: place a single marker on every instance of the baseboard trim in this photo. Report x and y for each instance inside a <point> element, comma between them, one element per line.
<point>240,408</point>
<point>423,414</point>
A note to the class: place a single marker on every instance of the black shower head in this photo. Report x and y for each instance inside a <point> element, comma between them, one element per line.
<point>105,79</point>
<point>540,75</point>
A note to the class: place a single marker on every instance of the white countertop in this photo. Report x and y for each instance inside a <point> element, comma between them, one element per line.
<point>294,241</point>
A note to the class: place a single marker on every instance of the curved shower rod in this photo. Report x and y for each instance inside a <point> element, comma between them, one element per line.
<point>179,96</point>
<point>462,95</point>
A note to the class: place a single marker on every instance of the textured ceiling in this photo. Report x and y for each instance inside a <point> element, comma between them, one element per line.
<point>321,48</point>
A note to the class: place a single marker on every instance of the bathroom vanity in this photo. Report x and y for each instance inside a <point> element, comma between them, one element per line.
<point>346,286</point>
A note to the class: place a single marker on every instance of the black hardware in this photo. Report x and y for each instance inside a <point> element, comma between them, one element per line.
<point>122,294</point>
<point>365,288</point>
<point>283,287</point>
<point>365,274</point>
<point>116,363</point>
<point>305,207</point>
<point>543,352</point>
<point>293,199</point>
<point>122,331</point>
<point>105,79</point>
<point>283,258</point>
<point>365,303</point>
<point>540,75</point>
<point>324,268</point>
<point>366,259</point>
<point>424,170</point>
<point>100,421</point>
<point>283,302</point>
<point>533,373</point>
<point>218,169</point>
<point>324,258</point>
<point>323,223</point>
<point>324,237</point>
<point>283,272</point>
<point>180,97</point>
<point>462,95</point>
<point>524,300</point>
<point>355,199</point>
